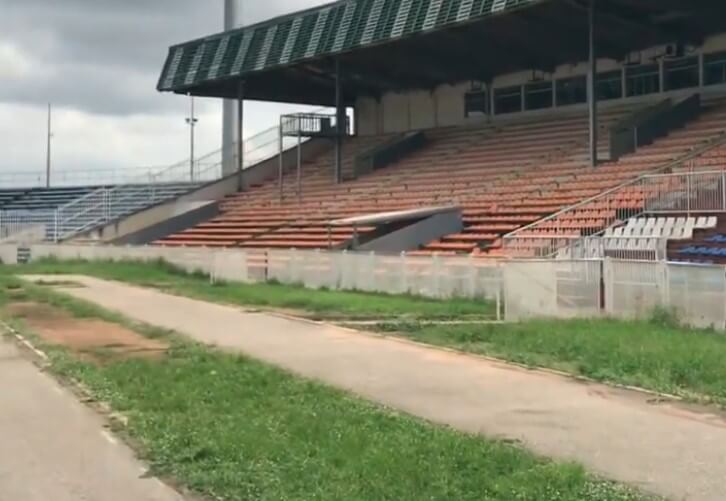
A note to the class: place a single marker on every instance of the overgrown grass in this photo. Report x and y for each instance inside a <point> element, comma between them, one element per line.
<point>318,303</point>
<point>657,354</point>
<point>234,429</point>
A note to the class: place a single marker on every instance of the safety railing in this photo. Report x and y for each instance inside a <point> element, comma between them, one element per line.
<point>79,177</point>
<point>15,222</point>
<point>686,193</point>
<point>313,125</point>
<point>108,204</point>
<point>642,248</point>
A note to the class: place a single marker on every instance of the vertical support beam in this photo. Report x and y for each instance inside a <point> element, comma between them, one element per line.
<point>240,137</point>
<point>47,152</point>
<point>299,164</point>
<point>281,167</point>
<point>592,84</point>
<point>340,120</point>
<point>192,122</point>
<point>492,101</point>
<point>232,15</point>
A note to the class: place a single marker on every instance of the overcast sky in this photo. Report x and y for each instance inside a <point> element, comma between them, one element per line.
<point>98,62</point>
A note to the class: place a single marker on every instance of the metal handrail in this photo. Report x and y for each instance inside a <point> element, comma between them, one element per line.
<point>109,201</point>
<point>675,163</point>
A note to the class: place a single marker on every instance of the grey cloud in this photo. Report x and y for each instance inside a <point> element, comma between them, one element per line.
<point>104,56</point>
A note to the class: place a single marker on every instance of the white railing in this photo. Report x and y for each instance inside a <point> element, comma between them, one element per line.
<point>78,177</point>
<point>13,223</point>
<point>207,168</point>
<point>146,186</point>
<point>642,248</point>
<point>688,192</point>
<point>676,193</point>
<point>107,204</point>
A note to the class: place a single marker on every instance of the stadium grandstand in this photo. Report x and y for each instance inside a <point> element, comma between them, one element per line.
<point>458,127</point>
<point>509,114</point>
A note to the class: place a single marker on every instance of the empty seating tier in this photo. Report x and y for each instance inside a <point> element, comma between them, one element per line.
<point>503,176</point>
<point>81,207</point>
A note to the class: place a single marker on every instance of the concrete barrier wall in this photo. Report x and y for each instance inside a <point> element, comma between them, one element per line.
<point>526,289</point>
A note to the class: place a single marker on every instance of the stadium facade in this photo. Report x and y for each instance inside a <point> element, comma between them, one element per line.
<point>416,64</point>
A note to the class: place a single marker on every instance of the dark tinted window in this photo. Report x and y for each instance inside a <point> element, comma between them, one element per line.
<point>538,95</point>
<point>571,91</point>
<point>681,74</point>
<point>610,85</point>
<point>714,68</point>
<point>508,100</point>
<point>476,103</point>
<point>642,80</point>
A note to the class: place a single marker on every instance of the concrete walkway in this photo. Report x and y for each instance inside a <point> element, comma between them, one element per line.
<point>52,447</point>
<point>663,449</point>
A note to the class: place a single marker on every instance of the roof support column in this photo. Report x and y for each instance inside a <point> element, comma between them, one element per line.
<point>232,11</point>
<point>240,137</point>
<point>592,86</point>
<point>340,123</point>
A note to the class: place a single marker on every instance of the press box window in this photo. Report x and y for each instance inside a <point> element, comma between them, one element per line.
<point>681,74</point>
<point>538,95</point>
<point>571,91</point>
<point>476,103</point>
<point>714,68</point>
<point>642,80</point>
<point>610,85</point>
<point>508,100</point>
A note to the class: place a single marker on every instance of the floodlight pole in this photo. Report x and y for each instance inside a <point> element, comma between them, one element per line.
<point>592,84</point>
<point>240,136</point>
<point>340,123</point>
<point>47,151</point>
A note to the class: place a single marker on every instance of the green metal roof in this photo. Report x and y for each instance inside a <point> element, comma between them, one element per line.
<point>330,29</point>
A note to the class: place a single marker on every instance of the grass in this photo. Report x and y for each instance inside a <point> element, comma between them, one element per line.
<point>656,355</point>
<point>234,429</point>
<point>323,304</point>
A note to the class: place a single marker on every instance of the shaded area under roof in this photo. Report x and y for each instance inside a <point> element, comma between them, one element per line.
<point>388,45</point>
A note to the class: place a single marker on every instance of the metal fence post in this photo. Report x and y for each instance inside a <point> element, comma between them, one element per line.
<point>436,271</point>
<point>374,278</point>
<point>55,225</point>
<point>404,273</point>
<point>663,278</point>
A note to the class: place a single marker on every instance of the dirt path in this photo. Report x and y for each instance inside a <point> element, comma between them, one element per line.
<point>54,447</point>
<point>663,449</point>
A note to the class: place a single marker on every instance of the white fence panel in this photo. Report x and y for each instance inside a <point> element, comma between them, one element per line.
<point>579,288</point>
<point>697,294</point>
<point>530,289</point>
<point>8,254</point>
<point>230,266</point>
<point>562,289</point>
<point>419,277</point>
<point>634,288</point>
